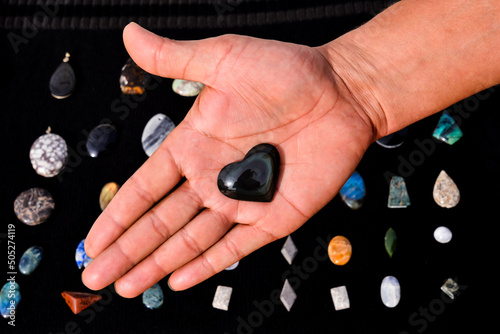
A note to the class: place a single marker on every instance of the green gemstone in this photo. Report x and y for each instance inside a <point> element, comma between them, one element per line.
<point>447,130</point>
<point>391,241</point>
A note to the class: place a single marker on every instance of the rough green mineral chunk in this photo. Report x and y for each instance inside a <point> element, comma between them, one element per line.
<point>391,241</point>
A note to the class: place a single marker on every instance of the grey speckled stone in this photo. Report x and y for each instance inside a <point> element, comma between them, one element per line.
<point>49,154</point>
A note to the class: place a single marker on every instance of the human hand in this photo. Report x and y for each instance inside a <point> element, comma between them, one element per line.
<point>256,91</point>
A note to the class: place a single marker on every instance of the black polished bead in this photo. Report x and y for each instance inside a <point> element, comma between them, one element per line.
<point>101,140</point>
<point>62,82</point>
<point>254,178</point>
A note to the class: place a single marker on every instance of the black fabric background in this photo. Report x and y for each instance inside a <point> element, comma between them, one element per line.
<point>420,263</point>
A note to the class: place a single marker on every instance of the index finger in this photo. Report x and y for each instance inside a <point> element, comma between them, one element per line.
<point>152,181</point>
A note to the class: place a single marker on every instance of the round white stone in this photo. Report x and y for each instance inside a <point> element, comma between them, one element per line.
<point>442,234</point>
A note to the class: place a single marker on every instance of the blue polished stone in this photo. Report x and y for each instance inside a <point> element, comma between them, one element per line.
<point>353,192</point>
<point>9,299</point>
<point>447,130</point>
<point>81,258</point>
<point>254,178</point>
<point>153,297</point>
<point>30,260</point>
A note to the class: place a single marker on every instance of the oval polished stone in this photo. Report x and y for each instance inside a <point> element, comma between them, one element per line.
<point>34,206</point>
<point>445,192</point>
<point>186,87</point>
<point>81,257</point>
<point>62,82</point>
<point>155,132</point>
<point>152,298</point>
<point>9,299</point>
<point>101,140</point>
<point>390,291</point>
<point>30,260</point>
<point>340,250</point>
<point>49,154</point>
<point>442,234</point>
<point>107,193</point>
<point>353,192</point>
<point>254,178</point>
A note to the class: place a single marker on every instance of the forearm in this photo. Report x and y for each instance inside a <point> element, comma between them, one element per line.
<point>419,57</point>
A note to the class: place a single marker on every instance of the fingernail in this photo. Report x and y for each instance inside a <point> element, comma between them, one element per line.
<point>169,286</point>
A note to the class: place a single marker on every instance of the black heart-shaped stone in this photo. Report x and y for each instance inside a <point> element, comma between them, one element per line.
<point>254,178</point>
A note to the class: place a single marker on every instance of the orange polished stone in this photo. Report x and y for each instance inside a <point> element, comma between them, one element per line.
<point>340,250</point>
<point>79,301</point>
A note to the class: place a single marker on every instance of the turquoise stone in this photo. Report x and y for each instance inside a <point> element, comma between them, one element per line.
<point>254,178</point>
<point>153,297</point>
<point>30,260</point>
<point>447,130</point>
<point>81,258</point>
<point>9,299</point>
<point>398,195</point>
<point>353,192</point>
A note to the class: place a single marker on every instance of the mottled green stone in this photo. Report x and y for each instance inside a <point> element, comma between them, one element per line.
<point>398,195</point>
<point>391,241</point>
<point>447,130</point>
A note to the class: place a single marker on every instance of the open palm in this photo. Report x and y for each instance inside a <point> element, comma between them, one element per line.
<point>170,216</point>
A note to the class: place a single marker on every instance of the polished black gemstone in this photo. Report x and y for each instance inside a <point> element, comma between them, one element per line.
<point>254,178</point>
<point>62,82</point>
<point>101,140</point>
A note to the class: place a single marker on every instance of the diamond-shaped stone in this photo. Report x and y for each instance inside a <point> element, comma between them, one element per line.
<point>288,296</point>
<point>222,297</point>
<point>340,298</point>
<point>289,250</point>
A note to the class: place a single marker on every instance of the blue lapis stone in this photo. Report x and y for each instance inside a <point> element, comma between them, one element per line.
<point>447,130</point>
<point>353,192</point>
<point>153,297</point>
<point>81,258</point>
<point>30,260</point>
<point>9,299</point>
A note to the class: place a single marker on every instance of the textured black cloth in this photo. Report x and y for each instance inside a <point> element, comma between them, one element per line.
<point>32,44</point>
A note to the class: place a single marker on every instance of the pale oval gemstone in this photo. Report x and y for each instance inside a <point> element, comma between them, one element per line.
<point>390,291</point>
<point>442,234</point>
<point>446,193</point>
<point>186,87</point>
<point>155,132</point>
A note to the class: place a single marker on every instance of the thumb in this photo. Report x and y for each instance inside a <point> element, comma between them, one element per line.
<point>189,60</point>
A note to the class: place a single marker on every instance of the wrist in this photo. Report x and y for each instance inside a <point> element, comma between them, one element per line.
<point>418,57</point>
